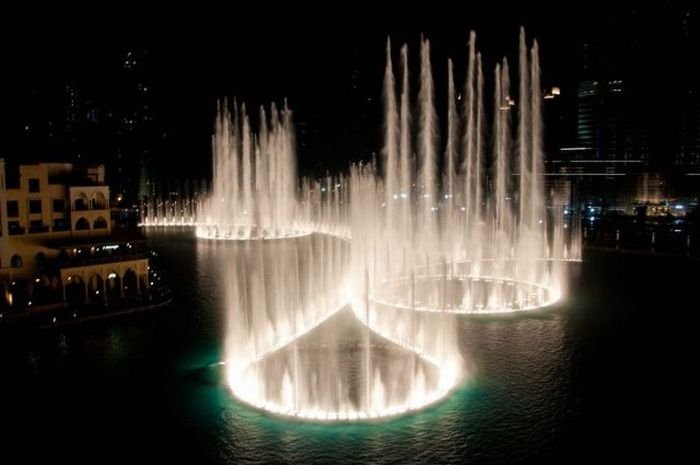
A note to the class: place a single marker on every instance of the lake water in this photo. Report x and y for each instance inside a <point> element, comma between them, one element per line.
<point>598,377</point>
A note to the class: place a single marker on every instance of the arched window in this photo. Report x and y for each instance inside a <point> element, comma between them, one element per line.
<point>100,223</point>
<point>114,284</point>
<point>41,289</point>
<point>82,224</point>
<point>80,202</point>
<point>75,290</point>
<point>16,261</point>
<point>40,259</point>
<point>129,282</point>
<point>98,201</point>
<point>96,288</point>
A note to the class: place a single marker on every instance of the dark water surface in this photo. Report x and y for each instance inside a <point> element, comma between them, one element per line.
<point>603,376</point>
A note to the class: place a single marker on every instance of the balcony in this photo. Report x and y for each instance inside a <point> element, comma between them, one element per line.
<point>74,261</point>
<point>96,253</point>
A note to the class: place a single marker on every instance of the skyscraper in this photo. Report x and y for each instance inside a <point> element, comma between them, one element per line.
<point>135,131</point>
<point>687,157</point>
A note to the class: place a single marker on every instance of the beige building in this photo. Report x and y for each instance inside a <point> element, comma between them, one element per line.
<point>56,240</point>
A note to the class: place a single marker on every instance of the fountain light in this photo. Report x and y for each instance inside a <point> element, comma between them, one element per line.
<point>405,271</point>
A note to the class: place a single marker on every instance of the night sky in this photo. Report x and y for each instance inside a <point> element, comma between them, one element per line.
<point>315,59</point>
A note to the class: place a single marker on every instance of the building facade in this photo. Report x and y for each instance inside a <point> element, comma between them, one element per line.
<point>57,245</point>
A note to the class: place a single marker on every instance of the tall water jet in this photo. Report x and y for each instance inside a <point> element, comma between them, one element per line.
<point>449,175</point>
<point>351,313</point>
<point>502,227</point>
<point>468,150</point>
<point>427,130</point>
<point>391,143</point>
<point>254,186</point>
<point>406,162</point>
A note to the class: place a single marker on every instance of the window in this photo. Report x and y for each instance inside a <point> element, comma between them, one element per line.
<point>36,226</point>
<point>59,205</point>
<point>60,224</point>
<point>12,209</point>
<point>82,224</point>
<point>99,202</point>
<point>100,223</point>
<point>16,261</point>
<point>81,203</point>
<point>35,206</point>
<point>14,227</point>
<point>33,185</point>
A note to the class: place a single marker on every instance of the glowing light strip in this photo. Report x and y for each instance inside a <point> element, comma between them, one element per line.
<point>595,161</point>
<point>555,297</point>
<point>149,224</point>
<point>284,235</point>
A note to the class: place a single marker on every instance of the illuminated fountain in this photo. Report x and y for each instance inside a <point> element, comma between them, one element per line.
<point>254,188</point>
<point>178,206</point>
<point>352,313</point>
<point>478,236</point>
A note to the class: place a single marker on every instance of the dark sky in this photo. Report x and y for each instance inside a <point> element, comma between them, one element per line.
<point>309,58</point>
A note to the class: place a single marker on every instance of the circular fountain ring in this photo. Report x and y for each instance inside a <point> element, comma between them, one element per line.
<point>241,233</point>
<point>486,294</point>
<point>344,415</point>
<point>447,380</point>
<point>265,383</point>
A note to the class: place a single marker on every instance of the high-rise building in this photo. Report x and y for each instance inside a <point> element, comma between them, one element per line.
<point>687,157</point>
<point>588,114</point>
<point>606,124</point>
<point>135,131</point>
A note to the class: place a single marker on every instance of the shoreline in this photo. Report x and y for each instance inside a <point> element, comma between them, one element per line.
<point>639,252</point>
<point>60,317</point>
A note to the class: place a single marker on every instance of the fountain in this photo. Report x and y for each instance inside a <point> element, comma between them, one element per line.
<point>177,205</point>
<point>254,188</point>
<point>350,313</point>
